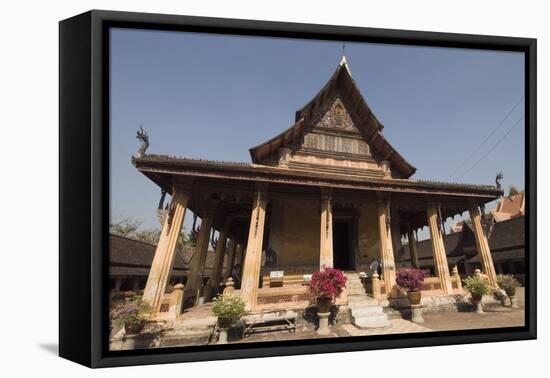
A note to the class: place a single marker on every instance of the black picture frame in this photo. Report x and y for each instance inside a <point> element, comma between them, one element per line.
<point>84,186</point>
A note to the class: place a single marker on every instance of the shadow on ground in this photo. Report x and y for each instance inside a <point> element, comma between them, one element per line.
<point>52,348</point>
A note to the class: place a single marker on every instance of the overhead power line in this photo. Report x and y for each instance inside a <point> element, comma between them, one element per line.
<point>493,148</point>
<point>476,150</point>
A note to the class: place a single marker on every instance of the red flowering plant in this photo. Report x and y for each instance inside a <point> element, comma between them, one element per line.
<point>411,279</point>
<point>327,284</point>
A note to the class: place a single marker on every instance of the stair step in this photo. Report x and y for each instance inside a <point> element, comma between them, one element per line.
<point>377,321</point>
<point>367,311</point>
<point>360,301</point>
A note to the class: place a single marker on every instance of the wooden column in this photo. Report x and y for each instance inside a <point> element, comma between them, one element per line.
<point>326,252</point>
<point>485,257</point>
<point>163,260</point>
<point>253,256</point>
<point>216,273</point>
<point>386,248</point>
<point>196,269</point>
<point>412,248</point>
<point>438,247</point>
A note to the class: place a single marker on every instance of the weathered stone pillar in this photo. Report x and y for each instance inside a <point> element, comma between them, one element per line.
<point>483,246</point>
<point>412,248</point>
<point>326,253</point>
<point>216,273</point>
<point>438,247</point>
<point>253,257</point>
<point>163,261</point>
<point>386,248</point>
<point>196,269</point>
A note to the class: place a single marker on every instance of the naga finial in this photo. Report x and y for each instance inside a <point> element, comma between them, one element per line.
<point>498,179</point>
<point>144,137</point>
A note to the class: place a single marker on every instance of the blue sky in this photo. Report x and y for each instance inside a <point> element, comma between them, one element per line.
<point>213,96</point>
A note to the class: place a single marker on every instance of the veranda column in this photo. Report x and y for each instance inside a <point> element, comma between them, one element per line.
<point>326,253</point>
<point>216,273</point>
<point>386,248</point>
<point>438,247</point>
<point>163,260</point>
<point>253,256</point>
<point>194,280</point>
<point>483,246</point>
<point>412,248</point>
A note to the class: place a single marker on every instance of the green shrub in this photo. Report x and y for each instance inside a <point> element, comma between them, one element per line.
<point>228,308</point>
<point>477,285</point>
<point>508,283</point>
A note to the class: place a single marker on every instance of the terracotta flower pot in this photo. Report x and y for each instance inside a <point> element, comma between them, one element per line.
<point>224,323</point>
<point>323,304</point>
<point>414,297</point>
<point>134,328</point>
<point>476,297</point>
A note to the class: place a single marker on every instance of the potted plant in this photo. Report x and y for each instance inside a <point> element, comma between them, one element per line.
<point>509,284</point>
<point>132,314</point>
<point>478,286</point>
<point>228,308</point>
<point>411,279</point>
<point>325,286</point>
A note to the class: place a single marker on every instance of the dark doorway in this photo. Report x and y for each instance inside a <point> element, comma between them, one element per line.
<point>341,244</point>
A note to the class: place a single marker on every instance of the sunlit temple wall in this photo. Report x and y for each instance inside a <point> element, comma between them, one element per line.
<point>294,231</point>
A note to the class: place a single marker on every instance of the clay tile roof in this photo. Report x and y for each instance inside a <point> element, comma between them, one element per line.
<point>512,205</point>
<point>508,234</point>
<point>134,257</point>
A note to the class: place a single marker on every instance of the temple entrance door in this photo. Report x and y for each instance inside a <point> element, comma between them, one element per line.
<point>341,239</point>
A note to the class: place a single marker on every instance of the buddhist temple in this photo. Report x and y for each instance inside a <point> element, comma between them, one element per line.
<point>330,190</point>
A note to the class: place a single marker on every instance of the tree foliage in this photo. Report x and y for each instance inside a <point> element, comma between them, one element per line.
<point>513,191</point>
<point>131,228</point>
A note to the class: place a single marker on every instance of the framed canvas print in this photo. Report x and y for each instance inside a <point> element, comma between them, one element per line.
<point>235,188</point>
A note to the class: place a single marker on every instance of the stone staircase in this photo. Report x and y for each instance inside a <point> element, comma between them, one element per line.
<point>366,312</point>
<point>194,327</point>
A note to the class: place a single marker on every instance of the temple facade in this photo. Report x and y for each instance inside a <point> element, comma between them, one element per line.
<point>328,191</point>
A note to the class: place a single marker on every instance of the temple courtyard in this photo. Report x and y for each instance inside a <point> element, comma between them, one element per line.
<point>197,326</point>
<point>495,316</point>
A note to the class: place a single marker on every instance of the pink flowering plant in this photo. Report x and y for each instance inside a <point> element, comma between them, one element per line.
<point>327,283</point>
<point>410,279</point>
<point>132,313</point>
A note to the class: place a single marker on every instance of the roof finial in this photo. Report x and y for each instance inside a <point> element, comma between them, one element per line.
<point>343,60</point>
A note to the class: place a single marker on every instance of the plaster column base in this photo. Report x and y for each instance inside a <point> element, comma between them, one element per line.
<point>222,338</point>
<point>416,311</point>
<point>478,306</point>
<point>323,323</point>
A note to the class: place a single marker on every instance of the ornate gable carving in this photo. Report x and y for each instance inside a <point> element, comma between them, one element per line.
<point>333,130</point>
<point>334,116</point>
